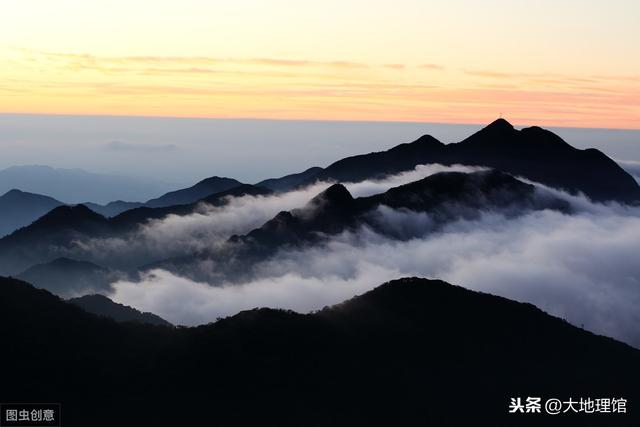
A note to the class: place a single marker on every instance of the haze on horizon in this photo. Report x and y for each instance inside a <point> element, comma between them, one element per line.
<point>571,63</point>
<point>178,151</point>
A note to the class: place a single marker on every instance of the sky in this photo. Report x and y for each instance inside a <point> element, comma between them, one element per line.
<point>553,63</point>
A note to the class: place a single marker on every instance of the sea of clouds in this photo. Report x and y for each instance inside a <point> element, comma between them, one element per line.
<point>582,267</point>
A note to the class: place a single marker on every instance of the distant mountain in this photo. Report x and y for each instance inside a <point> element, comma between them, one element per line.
<point>445,197</point>
<point>290,181</point>
<point>113,208</point>
<point>69,278</point>
<point>133,217</point>
<point>533,153</point>
<point>410,352</point>
<point>65,226</point>
<point>103,306</point>
<point>187,196</point>
<point>57,229</point>
<point>18,209</point>
<point>202,189</point>
<point>76,185</point>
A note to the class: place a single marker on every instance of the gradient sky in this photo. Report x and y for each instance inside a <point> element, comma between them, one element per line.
<point>553,63</point>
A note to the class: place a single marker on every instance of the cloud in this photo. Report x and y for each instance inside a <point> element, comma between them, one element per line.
<point>208,227</point>
<point>89,61</point>
<point>307,88</point>
<point>581,267</point>
<point>183,301</point>
<point>370,187</point>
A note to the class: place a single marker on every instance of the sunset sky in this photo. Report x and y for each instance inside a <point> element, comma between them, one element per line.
<point>548,62</point>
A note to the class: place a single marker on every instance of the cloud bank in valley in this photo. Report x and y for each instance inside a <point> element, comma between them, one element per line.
<point>582,267</point>
<point>210,226</point>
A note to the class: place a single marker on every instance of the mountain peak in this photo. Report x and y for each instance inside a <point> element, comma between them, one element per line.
<point>335,195</point>
<point>217,180</point>
<point>427,139</point>
<point>499,125</point>
<point>494,134</point>
<point>67,214</point>
<point>16,193</point>
<point>200,190</point>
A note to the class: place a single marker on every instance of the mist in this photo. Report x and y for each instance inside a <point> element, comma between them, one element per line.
<point>209,226</point>
<point>581,267</point>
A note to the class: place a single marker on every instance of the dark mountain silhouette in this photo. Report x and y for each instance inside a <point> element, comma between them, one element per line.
<point>446,196</point>
<point>131,218</point>
<point>533,153</point>
<point>113,208</point>
<point>69,278</point>
<point>290,181</point>
<point>103,306</point>
<point>187,196</point>
<point>19,208</point>
<point>194,193</point>
<point>377,165</point>
<point>410,352</point>
<point>64,227</point>
<point>59,228</point>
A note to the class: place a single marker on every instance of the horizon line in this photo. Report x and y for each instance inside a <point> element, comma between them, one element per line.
<point>280,119</point>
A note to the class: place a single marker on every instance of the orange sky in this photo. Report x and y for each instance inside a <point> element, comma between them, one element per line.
<point>569,64</point>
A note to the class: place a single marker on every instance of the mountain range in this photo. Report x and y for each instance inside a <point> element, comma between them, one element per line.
<point>103,306</point>
<point>184,196</point>
<point>69,278</point>
<point>77,185</point>
<point>410,352</point>
<point>19,208</point>
<point>533,153</point>
<point>445,197</point>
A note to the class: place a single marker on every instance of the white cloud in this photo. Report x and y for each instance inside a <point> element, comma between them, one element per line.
<point>211,226</point>
<point>582,267</point>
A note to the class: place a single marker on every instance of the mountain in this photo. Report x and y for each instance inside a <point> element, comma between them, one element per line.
<point>113,208</point>
<point>290,181</point>
<point>410,352</point>
<point>196,192</point>
<point>69,278</point>
<point>57,229</point>
<point>128,219</point>
<point>185,197</point>
<point>76,185</point>
<point>66,227</point>
<point>533,153</point>
<point>103,306</point>
<point>440,198</point>
<point>445,196</point>
<point>19,208</point>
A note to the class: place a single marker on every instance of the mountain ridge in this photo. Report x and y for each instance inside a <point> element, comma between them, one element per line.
<point>20,208</point>
<point>533,153</point>
<point>102,306</point>
<point>374,359</point>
